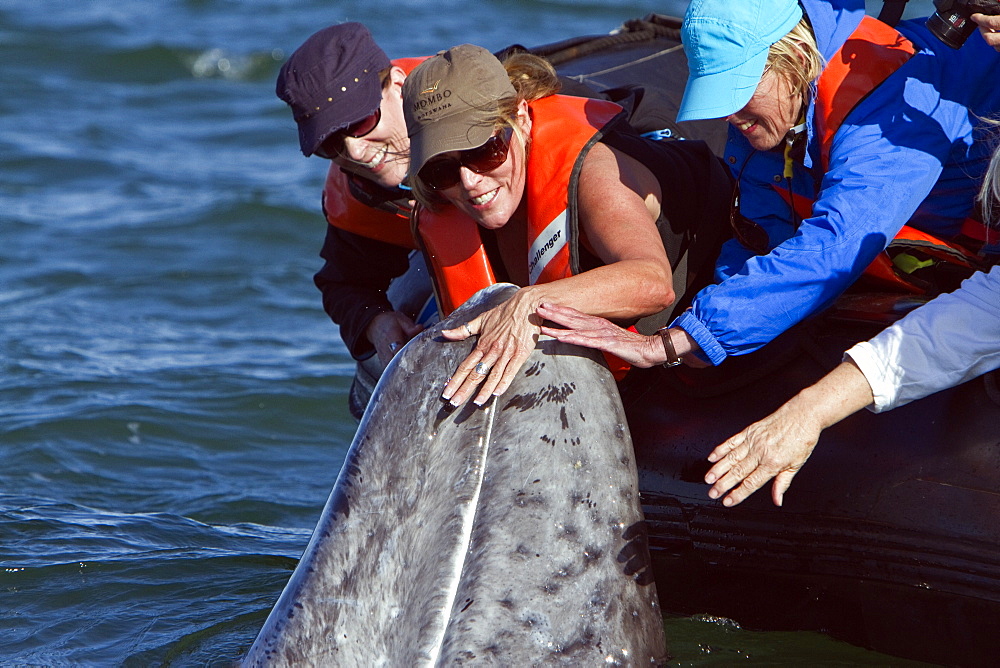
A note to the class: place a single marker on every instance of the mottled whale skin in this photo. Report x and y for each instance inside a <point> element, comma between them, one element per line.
<point>510,534</point>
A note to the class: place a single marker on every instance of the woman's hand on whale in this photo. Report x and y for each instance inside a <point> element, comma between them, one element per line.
<point>595,332</point>
<point>591,331</point>
<point>507,335</point>
<point>389,331</point>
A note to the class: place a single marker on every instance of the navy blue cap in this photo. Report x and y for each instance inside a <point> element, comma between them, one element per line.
<point>332,81</point>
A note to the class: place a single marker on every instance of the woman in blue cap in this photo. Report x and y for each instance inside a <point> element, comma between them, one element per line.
<point>841,130</point>
<point>953,339</point>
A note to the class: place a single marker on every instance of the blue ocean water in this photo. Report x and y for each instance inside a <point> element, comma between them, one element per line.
<point>173,404</point>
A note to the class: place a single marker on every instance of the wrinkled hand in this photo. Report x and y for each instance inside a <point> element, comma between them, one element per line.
<point>989,27</point>
<point>776,447</point>
<point>507,335</point>
<point>389,331</point>
<point>591,331</point>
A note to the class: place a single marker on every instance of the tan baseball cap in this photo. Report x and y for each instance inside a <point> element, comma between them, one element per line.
<point>450,101</point>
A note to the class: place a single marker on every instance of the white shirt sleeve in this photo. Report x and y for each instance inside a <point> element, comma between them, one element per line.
<point>950,340</point>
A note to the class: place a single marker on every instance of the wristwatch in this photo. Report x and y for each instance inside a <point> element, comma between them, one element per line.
<point>673,359</point>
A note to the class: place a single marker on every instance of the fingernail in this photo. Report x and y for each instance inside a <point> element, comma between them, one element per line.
<point>710,479</point>
<point>727,502</point>
<point>712,494</point>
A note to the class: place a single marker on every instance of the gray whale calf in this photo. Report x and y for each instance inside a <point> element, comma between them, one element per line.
<point>509,534</point>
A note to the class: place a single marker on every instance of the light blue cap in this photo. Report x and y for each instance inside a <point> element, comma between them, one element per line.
<point>726,43</point>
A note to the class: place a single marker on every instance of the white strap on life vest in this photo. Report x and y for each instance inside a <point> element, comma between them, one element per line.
<point>546,245</point>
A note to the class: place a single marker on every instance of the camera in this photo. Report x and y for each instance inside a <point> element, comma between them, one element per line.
<point>950,22</point>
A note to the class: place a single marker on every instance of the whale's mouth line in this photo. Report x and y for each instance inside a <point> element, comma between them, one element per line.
<point>468,524</point>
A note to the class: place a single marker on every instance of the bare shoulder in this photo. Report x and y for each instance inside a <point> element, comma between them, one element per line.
<point>607,170</point>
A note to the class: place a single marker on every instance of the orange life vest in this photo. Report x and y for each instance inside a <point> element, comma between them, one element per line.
<point>567,127</point>
<point>454,254</point>
<point>344,211</point>
<point>866,59</point>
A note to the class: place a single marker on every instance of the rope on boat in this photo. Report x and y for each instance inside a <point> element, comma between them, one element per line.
<point>653,26</point>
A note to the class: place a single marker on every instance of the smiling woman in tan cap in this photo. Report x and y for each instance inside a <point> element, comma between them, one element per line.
<point>554,192</point>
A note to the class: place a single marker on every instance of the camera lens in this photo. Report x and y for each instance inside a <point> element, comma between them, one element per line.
<point>952,28</point>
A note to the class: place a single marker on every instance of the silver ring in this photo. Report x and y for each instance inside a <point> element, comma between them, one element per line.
<point>482,369</point>
<point>393,346</point>
<point>468,330</point>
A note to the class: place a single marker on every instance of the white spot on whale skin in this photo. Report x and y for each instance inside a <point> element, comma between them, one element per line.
<point>332,601</point>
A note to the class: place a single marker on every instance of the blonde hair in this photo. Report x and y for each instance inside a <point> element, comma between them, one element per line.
<point>533,78</point>
<point>796,57</point>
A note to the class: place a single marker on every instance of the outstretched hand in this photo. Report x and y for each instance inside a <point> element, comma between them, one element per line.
<point>989,27</point>
<point>776,447</point>
<point>779,445</point>
<point>507,335</point>
<point>591,331</point>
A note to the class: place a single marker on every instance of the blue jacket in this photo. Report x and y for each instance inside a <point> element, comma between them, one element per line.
<point>913,150</point>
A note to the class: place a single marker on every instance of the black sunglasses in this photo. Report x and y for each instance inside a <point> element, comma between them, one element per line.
<point>333,145</point>
<point>747,232</point>
<point>441,173</point>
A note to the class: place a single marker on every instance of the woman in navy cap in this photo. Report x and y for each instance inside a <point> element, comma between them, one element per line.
<point>345,96</point>
<point>841,130</point>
